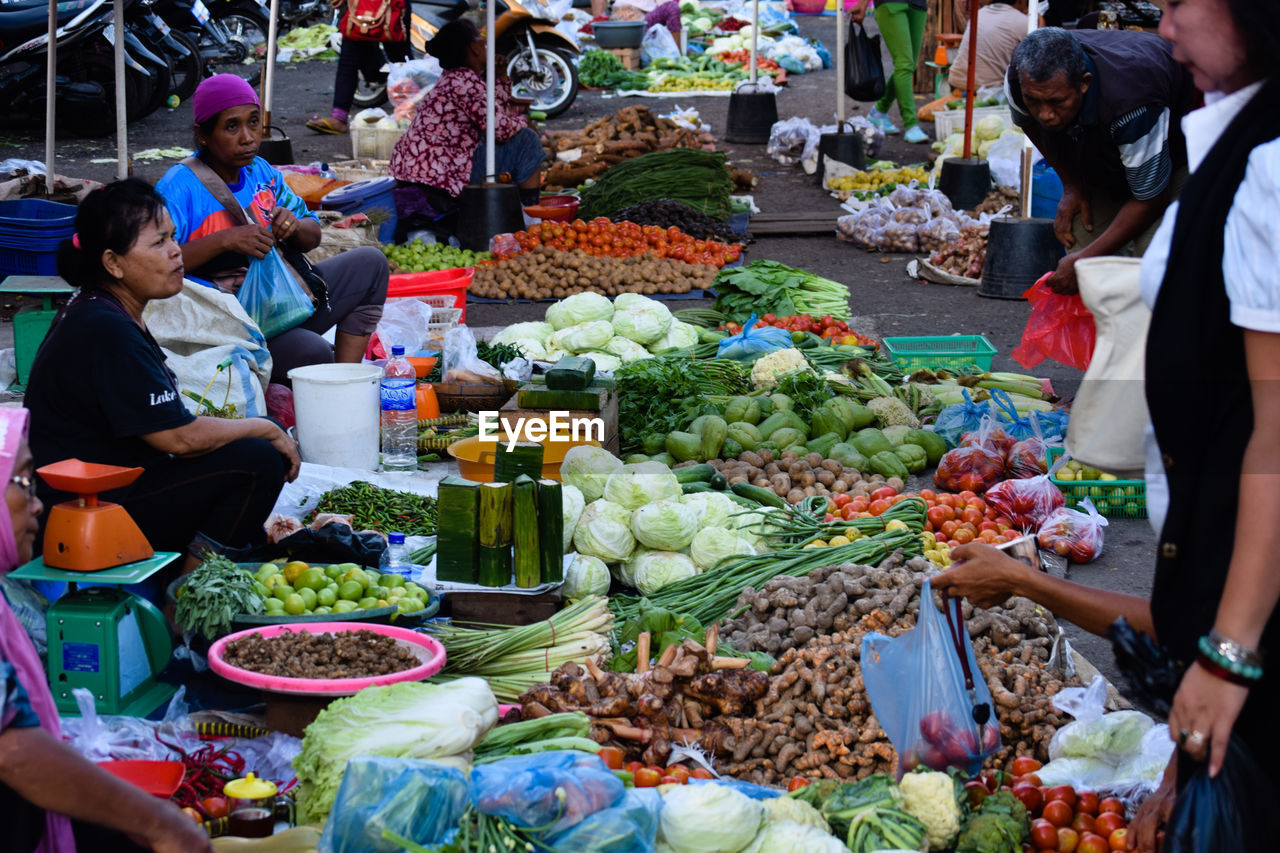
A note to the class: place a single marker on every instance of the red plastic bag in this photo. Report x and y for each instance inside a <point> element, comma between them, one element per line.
<point>1073,534</point>
<point>1027,503</point>
<point>1060,328</point>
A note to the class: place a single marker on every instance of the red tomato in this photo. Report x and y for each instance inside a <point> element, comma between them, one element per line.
<point>842,499</point>
<point>879,507</point>
<point>1087,803</point>
<point>1030,796</point>
<point>860,503</point>
<point>1057,813</point>
<point>975,792</point>
<point>963,535</point>
<point>669,780</point>
<point>1111,804</point>
<point>1091,842</point>
<point>828,518</point>
<point>193,814</point>
<point>612,757</point>
<point>1044,835</point>
<point>798,782</point>
<point>633,766</point>
<point>1107,823</point>
<point>949,529</point>
<point>680,773</point>
<point>1082,823</point>
<point>1068,839</point>
<point>769,318</point>
<point>1119,840</point>
<point>215,807</point>
<point>1064,793</point>
<point>1034,779</point>
<point>647,777</point>
<point>848,512</point>
<point>928,494</point>
<point>702,773</point>
<point>976,503</point>
<point>883,492</point>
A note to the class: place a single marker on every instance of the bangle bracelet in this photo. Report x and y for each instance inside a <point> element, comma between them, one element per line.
<point>1211,652</point>
<point>1225,674</point>
<point>1233,651</point>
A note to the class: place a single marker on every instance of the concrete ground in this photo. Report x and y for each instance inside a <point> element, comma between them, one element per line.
<point>884,299</point>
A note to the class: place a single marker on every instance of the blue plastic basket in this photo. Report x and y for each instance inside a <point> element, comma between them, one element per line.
<point>35,214</point>
<point>21,262</point>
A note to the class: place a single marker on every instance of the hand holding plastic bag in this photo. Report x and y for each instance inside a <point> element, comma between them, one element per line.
<point>272,297</point>
<point>1060,328</point>
<point>1232,811</point>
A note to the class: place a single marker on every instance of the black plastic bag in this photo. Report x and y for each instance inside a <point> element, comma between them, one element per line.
<point>1151,672</point>
<point>333,543</point>
<point>1232,812</point>
<point>863,70</point>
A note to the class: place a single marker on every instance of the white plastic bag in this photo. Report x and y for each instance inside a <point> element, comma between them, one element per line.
<point>409,82</point>
<point>1005,158</point>
<point>461,363</point>
<point>791,139</point>
<point>658,43</point>
<point>550,10</point>
<point>404,323</point>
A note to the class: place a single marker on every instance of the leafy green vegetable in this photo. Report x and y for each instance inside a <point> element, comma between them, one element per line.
<point>807,391</point>
<point>852,799</point>
<point>214,594</point>
<point>763,287</point>
<point>690,176</point>
<point>663,394</point>
<point>884,828</point>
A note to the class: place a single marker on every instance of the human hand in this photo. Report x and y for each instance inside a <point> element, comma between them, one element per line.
<point>288,448</point>
<point>1063,279</point>
<point>174,832</point>
<point>252,240</point>
<point>1073,201</point>
<point>986,576</point>
<point>284,224</point>
<point>857,14</point>
<point>1205,709</point>
<point>1144,831</point>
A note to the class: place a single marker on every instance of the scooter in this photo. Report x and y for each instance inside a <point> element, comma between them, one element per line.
<point>228,33</point>
<point>186,66</point>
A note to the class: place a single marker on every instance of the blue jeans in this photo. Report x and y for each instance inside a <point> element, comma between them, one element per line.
<point>520,156</point>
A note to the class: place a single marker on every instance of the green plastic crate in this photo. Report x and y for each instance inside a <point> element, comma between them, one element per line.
<point>941,352</point>
<point>1112,498</point>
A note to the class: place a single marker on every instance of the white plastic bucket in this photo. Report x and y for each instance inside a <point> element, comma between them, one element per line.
<point>338,415</point>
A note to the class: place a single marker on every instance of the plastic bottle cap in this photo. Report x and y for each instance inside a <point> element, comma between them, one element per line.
<point>249,788</point>
<point>397,350</point>
<point>395,538</point>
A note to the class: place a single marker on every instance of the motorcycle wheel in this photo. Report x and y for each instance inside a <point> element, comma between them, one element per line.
<point>188,70</point>
<point>554,89</point>
<point>158,86</point>
<point>246,31</point>
<point>96,64</point>
<point>369,94</point>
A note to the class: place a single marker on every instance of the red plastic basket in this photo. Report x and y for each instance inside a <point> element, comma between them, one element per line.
<point>441,282</point>
<point>809,7</point>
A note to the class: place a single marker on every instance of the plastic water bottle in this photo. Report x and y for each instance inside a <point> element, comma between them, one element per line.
<point>399,414</point>
<point>395,560</point>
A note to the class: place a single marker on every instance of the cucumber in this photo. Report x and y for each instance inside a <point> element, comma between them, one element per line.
<point>759,494</point>
<point>718,482</point>
<point>693,473</point>
<point>692,488</point>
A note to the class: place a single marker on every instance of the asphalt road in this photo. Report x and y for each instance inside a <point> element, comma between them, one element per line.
<point>883,299</point>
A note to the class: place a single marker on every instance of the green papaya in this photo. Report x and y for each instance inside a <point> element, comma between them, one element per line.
<point>773,423</point>
<point>912,456</point>
<point>934,445</point>
<point>745,434</point>
<point>636,457</point>
<point>823,444</point>
<point>887,464</point>
<point>847,456</point>
<point>743,409</point>
<point>684,446</point>
<point>714,432</point>
<point>664,457</point>
<point>654,442</point>
<point>781,402</point>
<point>870,441</point>
<point>827,421</point>
<point>896,434</point>
<point>786,437</point>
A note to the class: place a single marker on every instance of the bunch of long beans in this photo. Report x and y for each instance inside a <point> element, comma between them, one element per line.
<point>514,659</point>
<point>479,833</point>
<point>802,523</point>
<point>710,596</point>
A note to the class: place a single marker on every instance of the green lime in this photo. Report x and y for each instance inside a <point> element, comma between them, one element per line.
<point>326,597</point>
<point>344,606</point>
<point>375,579</point>
<point>333,571</point>
<point>367,603</point>
<point>274,606</point>
<point>420,594</point>
<point>409,604</point>
<point>397,594</point>
<point>265,571</point>
<point>351,591</point>
<point>309,597</point>
<point>282,591</point>
<point>313,579</point>
<point>392,580</point>
<point>358,576</point>
<point>322,611</point>
<point>380,592</point>
<point>294,605</point>
<point>261,589</point>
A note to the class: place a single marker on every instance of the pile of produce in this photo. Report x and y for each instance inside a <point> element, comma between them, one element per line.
<point>372,507</point>
<point>706,73</point>
<point>299,589</point>
<point>665,213</point>
<point>622,239</point>
<point>632,131</point>
<point>907,220</point>
<point>825,327</point>
<point>965,255</point>
<point>600,69</point>
<point>214,594</point>
<point>877,180</point>
<point>659,395</point>
<point>350,654</point>
<point>768,287</point>
<point>546,273</point>
<point>743,58</point>
<point>699,179</point>
<point>500,531</point>
<point>416,256</point>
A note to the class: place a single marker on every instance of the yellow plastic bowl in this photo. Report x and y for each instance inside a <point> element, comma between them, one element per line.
<point>476,459</point>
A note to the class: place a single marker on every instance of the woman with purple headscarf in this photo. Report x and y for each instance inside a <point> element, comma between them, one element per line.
<point>51,797</point>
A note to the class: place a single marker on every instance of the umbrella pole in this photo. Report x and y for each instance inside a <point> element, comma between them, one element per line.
<point>1025,189</point>
<point>122,108</point>
<point>841,109</point>
<point>969,82</point>
<point>269,74</point>
<point>755,39</point>
<point>490,107</point>
<point>50,99</point>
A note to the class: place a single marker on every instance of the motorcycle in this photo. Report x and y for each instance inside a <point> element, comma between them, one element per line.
<point>186,66</point>
<point>539,57</point>
<point>230,34</point>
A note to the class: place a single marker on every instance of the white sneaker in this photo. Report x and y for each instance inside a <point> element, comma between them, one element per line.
<point>881,120</point>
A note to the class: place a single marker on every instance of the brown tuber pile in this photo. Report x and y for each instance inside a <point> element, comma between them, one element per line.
<point>546,273</point>
<point>794,477</point>
<point>629,132</point>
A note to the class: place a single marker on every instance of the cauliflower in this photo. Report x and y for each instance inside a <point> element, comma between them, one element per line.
<point>890,411</point>
<point>767,369</point>
<point>786,808</point>
<point>930,797</point>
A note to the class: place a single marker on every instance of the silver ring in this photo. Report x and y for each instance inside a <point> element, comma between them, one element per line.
<point>1196,739</point>
<point>1183,734</point>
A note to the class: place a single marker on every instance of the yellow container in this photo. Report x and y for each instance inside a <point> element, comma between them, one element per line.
<point>476,459</point>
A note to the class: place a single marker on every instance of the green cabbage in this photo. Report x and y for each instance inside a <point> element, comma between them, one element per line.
<point>712,509</point>
<point>988,127</point>
<point>633,486</point>
<point>713,544</point>
<point>536,330</point>
<point>653,570</point>
<point>582,336</point>
<point>627,350</point>
<point>709,819</point>
<point>679,336</point>
<point>571,505</point>
<point>586,575</point>
<point>439,722</point>
<point>642,322</point>
<point>605,363</point>
<point>796,811</point>
<point>604,531</point>
<point>1113,738</point>
<point>788,836</point>
<point>579,308</point>
<point>588,468</point>
<point>667,525</point>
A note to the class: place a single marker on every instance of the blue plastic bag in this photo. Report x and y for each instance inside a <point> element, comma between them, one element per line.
<point>272,297</point>
<point>749,789</point>
<point>954,421</point>
<point>752,343</point>
<point>629,827</point>
<point>1050,426</point>
<point>526,789</point>
<point>415,799</point>
<point>928,693</point>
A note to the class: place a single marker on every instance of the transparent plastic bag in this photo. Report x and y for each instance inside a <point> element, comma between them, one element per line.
<point>938,205</point>
<point>905,197</point>
<point>753,342</point>
<point>272,297</point>
<point>631,826</point>
<point>658,43</point>
<point>550,790</point>
<point>899,237</point>
<point>976,465</point>
<point>937,233</point>
<point>1027,502</point>
<point>404,323</point>
<point>120,738</point>
<point>1060,328</point>
<point>461,364</point>
<point>990,433</point>
<point>791,139</point>
<point>412,798</point>
<point>1073,534</point>
<point>928,693</point>
<point>864,229</point>
<point>409,82</point>
<point>909,215</point>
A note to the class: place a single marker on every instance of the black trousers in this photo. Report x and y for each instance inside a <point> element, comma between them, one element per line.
<point>365,57</point>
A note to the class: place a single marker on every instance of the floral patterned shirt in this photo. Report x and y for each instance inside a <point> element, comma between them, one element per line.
<point>438,147</point>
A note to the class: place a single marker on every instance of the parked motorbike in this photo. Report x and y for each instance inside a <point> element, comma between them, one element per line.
<point>231,34</point>
<point>186,66</point>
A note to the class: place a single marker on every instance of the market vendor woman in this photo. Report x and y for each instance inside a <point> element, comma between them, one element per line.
<point>228,131</point>
<point>100,391</point>
<point>441,152</point>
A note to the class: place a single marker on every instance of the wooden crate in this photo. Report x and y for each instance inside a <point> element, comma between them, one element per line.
<point>628,56</point>
<point>608,412</point>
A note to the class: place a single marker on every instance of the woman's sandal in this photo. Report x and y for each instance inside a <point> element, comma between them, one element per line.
<point>327,125</point>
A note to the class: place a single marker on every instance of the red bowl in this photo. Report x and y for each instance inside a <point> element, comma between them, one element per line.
<point>557,208</point>
<point>158,778</point>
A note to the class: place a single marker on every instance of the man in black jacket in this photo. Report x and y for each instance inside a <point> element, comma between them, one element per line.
<point>1105,108</point>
